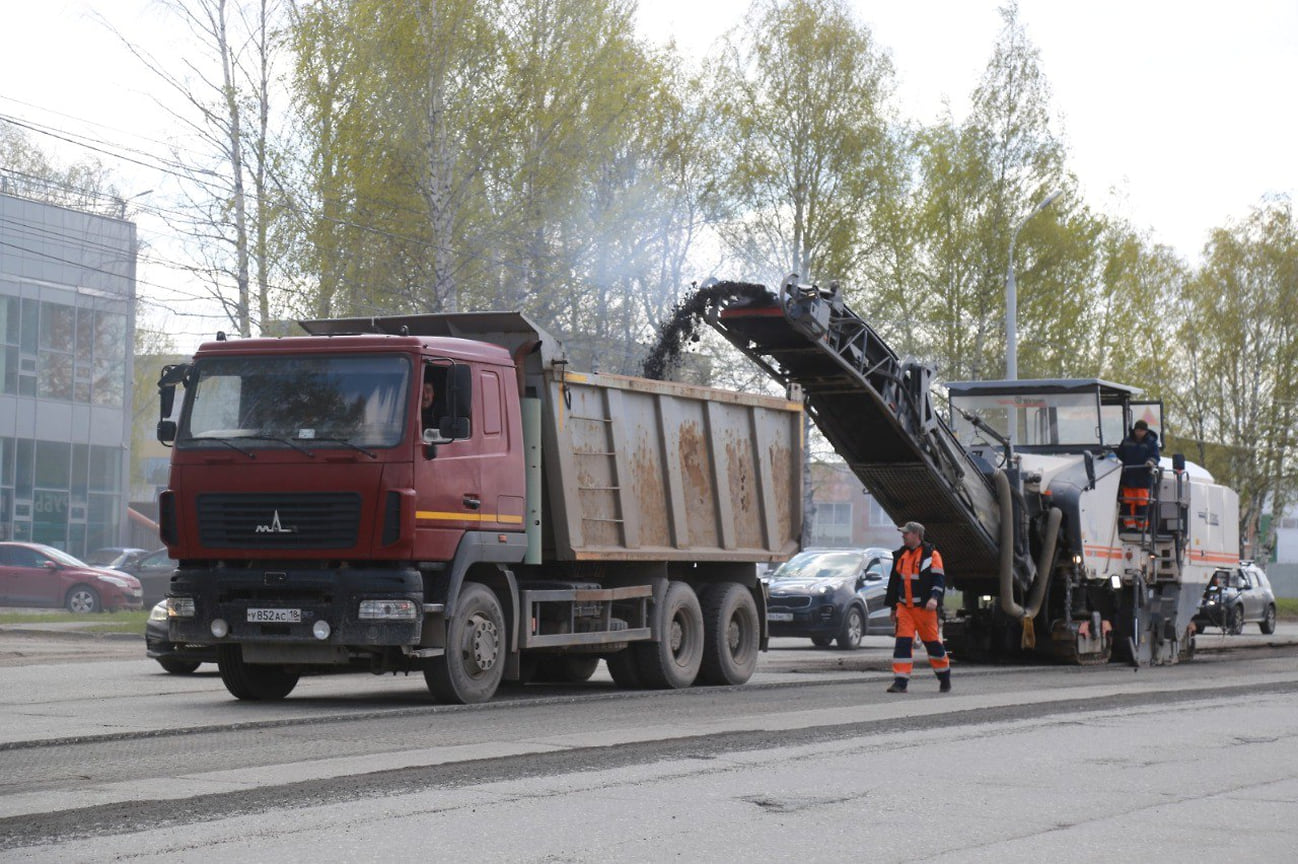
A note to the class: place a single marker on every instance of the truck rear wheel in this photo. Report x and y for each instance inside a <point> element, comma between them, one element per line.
<point>730,634</point>
<point>253,682</point>
<point>474,662</point>
<point>674,660</point>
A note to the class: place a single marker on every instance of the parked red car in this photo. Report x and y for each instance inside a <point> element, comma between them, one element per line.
<point>35,575</point>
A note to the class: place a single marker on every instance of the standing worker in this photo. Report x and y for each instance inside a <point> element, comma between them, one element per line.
<point>1139,453</point>
<point>915,590</point>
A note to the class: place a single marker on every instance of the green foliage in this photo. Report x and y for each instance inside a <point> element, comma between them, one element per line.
<point>801,110</point>
<point>471,155</point>
<point>1240,332</point>
<point>978,180</point>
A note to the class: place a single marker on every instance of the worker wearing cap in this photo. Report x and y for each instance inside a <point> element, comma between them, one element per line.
<point>1138,452</point>
<point>915,590</point>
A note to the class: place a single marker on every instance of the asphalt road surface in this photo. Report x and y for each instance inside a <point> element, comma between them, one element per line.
<point>104,757</point>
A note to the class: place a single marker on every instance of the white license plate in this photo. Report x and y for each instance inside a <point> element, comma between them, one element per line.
<point>274,616</point>
<point>779,616</point>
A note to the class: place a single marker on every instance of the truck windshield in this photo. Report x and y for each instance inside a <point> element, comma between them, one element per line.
<point>1030,419</point>
<point>259,402</point>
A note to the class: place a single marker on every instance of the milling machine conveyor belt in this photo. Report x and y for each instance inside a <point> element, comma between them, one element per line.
<point>875,411</point>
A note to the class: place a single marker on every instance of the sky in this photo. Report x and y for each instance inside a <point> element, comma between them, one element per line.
<point>1177,116</point>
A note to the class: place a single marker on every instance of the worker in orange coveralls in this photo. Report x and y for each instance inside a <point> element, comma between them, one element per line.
<point>915,590</point>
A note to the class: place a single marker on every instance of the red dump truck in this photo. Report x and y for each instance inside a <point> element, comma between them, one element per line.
<point>520,522</point>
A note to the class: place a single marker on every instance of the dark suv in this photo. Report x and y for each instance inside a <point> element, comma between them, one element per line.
<point>1237,597</point>
<point>831,594</point>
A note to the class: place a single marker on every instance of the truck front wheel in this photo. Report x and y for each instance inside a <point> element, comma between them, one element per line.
<point>731,634</point>
<point>673,661</point>
<point>251,682</point>
<point>470,670</point>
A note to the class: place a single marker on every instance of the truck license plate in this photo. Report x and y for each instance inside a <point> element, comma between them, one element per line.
<point>779,616</point>
<point>274,616</point>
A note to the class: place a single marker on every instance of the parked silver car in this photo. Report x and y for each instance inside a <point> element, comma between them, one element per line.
<point>1237,597</point>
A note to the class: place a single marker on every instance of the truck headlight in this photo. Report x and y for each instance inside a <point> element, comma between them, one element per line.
<point>388,610</point>
<point>180,607</point>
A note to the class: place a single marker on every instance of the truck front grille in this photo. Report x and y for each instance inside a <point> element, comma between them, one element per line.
<point>304,520</point>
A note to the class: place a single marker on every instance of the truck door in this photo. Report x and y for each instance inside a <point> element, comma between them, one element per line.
<point>448,479</point>
<point>503,478</point>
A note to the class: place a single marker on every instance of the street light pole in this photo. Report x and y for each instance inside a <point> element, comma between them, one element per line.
<point>1011,299</point>
<point>122,202</point>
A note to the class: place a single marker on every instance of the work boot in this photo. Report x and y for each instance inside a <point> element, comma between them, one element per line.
<point>944,683</point>
<point>897,687</point>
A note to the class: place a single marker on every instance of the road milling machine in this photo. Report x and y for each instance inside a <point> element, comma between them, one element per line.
<point>1020,490</point>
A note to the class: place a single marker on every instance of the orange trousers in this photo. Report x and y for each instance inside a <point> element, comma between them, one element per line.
<point>912,620</point>
<point>1135,501</point>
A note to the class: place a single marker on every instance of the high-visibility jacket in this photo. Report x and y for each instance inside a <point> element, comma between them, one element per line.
<point>922,568</point>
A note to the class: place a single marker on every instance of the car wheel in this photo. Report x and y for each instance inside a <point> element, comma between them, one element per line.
<point>849,635</point>
<point>1267,625</point>
<point>252,682</point>
<point>177,667</point>
<point>1236,621</point>
<point>822,641</point>
<point>83,598</point>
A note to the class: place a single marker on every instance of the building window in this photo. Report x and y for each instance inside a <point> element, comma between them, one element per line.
<point>832,525</point>
<point>57,342</point>
<point>109,369</point>
<point>57,351</point>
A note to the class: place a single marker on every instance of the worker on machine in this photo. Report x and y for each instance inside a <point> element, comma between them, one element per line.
<point>1139,454</point>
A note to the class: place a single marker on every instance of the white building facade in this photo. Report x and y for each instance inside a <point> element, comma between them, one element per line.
<point>67,301</point>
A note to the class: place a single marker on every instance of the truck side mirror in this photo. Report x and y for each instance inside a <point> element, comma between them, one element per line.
<point>171,376</point>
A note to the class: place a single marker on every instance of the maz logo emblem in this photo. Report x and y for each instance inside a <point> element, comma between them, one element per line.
<point>274,527</point>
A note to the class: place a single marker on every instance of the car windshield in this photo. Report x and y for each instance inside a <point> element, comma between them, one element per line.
<point>62,557</point>
<point>105,557</point>
<point>256,402</point>
<point>819,565</point>
<point>125,557</point>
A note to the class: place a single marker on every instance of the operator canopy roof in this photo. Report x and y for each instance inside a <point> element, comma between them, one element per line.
<point>1110,392</point>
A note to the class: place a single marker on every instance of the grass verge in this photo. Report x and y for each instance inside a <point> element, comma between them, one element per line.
<point>1286,608</point>
<point>96,622</point>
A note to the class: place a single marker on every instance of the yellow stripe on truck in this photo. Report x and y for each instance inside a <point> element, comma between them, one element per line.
<point>439,516</point>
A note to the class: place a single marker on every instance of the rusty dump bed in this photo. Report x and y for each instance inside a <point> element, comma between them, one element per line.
<point>876,412</point>
<point>638,469</point>
<point>662,471</point>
